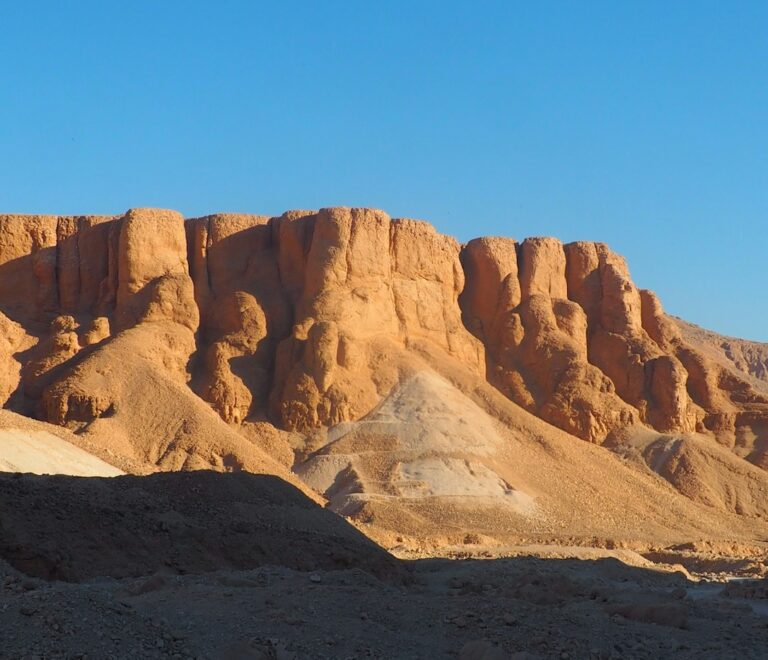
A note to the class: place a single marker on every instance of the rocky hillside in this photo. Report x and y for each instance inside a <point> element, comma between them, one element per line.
<point>304,341</point>
<point>750,358</point>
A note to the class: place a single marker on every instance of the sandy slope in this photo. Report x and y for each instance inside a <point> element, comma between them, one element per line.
<point>39,448</point>
<point>147,414</point>
<point>426,440</point>
<point>701,470</point>
<point>446,455</point>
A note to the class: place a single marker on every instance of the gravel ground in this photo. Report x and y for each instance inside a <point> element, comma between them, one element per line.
<point>518,608</point>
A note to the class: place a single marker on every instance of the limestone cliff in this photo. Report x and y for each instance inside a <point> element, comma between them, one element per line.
<point>307,320</point>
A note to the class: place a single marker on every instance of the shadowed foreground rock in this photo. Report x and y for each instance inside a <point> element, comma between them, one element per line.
<point>78,528</point>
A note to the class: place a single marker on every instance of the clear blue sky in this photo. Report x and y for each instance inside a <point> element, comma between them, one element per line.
<point>642,124</point>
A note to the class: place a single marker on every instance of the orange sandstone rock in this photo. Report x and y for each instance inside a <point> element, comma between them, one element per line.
<point>310,319</point>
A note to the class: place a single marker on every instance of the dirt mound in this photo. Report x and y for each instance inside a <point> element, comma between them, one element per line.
<point>72,529</point>
<point>425,442</point>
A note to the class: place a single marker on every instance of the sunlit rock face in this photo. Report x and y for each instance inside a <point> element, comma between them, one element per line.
<point>310,319</point>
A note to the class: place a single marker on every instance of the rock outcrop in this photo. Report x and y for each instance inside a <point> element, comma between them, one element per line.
<point>747,358</point>
<point>295,310</point>
<point>572,339</point>
<point>311,319</point>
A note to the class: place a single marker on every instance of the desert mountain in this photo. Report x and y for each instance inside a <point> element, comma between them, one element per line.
<point>409,381</point>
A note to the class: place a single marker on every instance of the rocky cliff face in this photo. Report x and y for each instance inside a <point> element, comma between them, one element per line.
<point>308,320</point>
<point>294,309</point>
<point>747,358</point>
<point>570,337</point>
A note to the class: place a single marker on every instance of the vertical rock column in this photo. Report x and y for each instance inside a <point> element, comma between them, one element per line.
<point>152,270</point>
